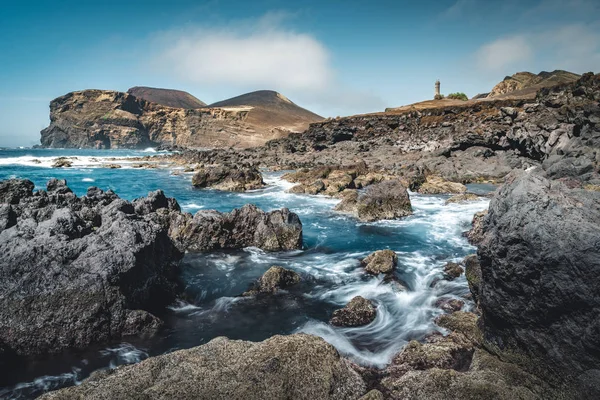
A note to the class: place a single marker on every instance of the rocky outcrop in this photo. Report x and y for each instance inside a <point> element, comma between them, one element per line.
<point>385,200</point>
<point>438,185</point>
<point>282,367</point>
<point>79,270</point>
<point>234,179</point>
<point>473,275</point>
<point>380,262</point>
<point>519,83</point>
<point>166,97</point>
<point>358,312</point>
<point>475,234</point>
<point>244,227</point>
<point>274,279</point>
<point>462,198</point>
<point>109,119</point>
<point>452,271</point>
<point>539,276</point>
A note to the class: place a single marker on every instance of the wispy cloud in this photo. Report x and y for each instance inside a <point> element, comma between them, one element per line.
<point>574,47</point>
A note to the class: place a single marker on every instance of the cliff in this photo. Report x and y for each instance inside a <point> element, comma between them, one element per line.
<point>108,119</point>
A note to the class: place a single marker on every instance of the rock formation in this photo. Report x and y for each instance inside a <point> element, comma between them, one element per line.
<point>235,179</point>
<point>79,270</point>
<point>523,83</point>
<point>539,276</point>
<point>385,200</point>
<point>244,227</point>
<point>109,119</point>
<point>274,279</point>
<point>358,312</point>
<point>282,367</point>
<point>380,262</point>
<point>166,97</point>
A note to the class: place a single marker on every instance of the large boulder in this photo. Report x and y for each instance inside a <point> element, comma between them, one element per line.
<point>282,367</point>
<point>79,270</point>
<point>358,312</point>
<point>540,263</point>
<point>274,279</point>
<point>384,200</point>
<point>228,178</point>
<point>243,227</point>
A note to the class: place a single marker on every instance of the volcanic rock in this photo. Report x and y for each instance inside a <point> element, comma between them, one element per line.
<point>380,262</point>
<point>385,200</point>
<point>297,366</point>
<point>79,270</point>
<point>475,234</point>
<point>358,312</point>
<point>274,279</point>
<point>231,179</point>
<point>438,185</point>
<point>452,271</point>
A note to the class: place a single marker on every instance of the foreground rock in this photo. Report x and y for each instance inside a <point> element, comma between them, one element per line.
<point>231,179</point>
<point>385,200</point>
<point>540,260</point>
<point>274,279</point>
<point>248,226</point>
<point>380,262</point>
<point>358,312</point>
<point>79,270</point>
<point>282,367</point>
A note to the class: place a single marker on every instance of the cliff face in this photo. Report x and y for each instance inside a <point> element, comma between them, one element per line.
<point>522,82</point>
<point>108,119</point>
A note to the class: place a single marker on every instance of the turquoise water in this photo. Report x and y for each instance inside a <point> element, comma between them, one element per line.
<point>329,265</point>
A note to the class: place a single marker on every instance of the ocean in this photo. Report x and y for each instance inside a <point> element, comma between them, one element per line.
<point>329,264</point>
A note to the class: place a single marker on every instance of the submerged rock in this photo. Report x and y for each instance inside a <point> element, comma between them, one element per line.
<point>62,162</point>
<point>438,185</point>
<point>243,227</point>
<point>228,178</point>
<point>380,262</point>
<point>462,198</point>
<point>385,200</point>
<point>297,366</point>
<point>540,259</point>
<point>79,270</point>
<point>358,312</point>
<point>274,279</point>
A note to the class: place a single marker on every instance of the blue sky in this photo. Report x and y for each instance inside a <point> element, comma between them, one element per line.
<point>334,57</point>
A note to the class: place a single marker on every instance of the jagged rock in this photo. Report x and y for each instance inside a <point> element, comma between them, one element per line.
<point>358,312</point>
<point>539,263</point>
<point>462,198</point>
<point>473,275</point>
<point>79,270</point>
<point>226,178</point>
<point>373,395</point>
<point>274,279</point>
<point>452,271</point>
<point>282,367</point>
<point>62,162</point>
<point>438,185</point>
<point>380,262</point>
<point>475,234</point>
<point>450,305</point>
<point>385,200</point>
<point>244,227</point>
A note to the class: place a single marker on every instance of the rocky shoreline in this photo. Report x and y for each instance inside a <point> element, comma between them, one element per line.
<point>533,332</point>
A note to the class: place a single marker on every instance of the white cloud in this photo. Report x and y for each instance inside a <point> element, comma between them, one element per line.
<point>260,54</point>
<point>574,47</point>
<point>504,53</point>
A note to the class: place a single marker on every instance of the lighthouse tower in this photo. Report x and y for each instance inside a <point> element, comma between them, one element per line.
<point>437,88</point>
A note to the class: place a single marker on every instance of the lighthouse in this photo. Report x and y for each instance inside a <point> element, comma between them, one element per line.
<point>437,88</point>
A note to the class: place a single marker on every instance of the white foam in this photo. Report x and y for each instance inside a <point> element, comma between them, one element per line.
<point>87,180</point>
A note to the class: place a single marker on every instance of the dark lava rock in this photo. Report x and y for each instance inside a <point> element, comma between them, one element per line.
<point>274,279</point>
<point>380,262</point>
<point>384,200</point>
<point>452,271</point>
<point>358,312</point>
<point>243,227</point>
<point>79,270</point>
<point>228,178</point>
<point>298,366</point>
<point>540,263</point>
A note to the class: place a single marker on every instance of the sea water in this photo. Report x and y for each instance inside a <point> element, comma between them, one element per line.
<point>329,264</point>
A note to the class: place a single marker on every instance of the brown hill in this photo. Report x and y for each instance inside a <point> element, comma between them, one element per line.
<point>526,83</point>
<point>167,97</point>
<point>271,111</point>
